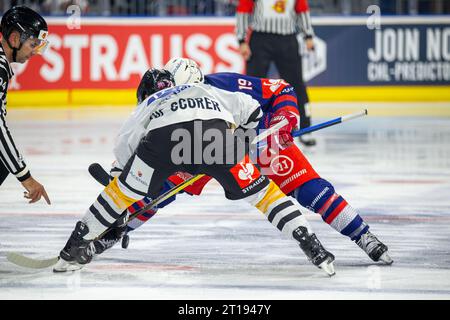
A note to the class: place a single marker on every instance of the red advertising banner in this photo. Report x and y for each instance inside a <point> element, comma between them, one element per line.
<point>114,53</point>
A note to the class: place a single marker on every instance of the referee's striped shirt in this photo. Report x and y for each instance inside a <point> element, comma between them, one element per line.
<point>10,156</point>
<point>282,17</point>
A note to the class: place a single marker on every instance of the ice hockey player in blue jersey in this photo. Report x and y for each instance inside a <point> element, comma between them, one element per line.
<point>278,100</point>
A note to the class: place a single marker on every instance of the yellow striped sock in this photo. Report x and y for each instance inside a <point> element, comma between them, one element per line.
<point>273,193</point>
<point>121,200</point>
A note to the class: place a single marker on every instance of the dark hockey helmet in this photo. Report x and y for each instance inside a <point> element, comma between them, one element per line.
<point>28,23</point>
<point>153,81</point>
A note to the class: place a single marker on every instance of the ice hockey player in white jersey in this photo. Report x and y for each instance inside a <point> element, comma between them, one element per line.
<point>183,116</point>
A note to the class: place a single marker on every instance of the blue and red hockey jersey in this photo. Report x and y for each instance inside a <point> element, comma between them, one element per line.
<point>272,94</point>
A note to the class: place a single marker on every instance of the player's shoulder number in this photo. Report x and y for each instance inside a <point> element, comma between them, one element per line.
<point>244,84</point>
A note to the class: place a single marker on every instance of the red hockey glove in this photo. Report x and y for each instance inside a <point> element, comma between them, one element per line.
<point>283,137</point>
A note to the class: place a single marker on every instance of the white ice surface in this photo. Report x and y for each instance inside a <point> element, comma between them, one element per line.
<point>394,171</point>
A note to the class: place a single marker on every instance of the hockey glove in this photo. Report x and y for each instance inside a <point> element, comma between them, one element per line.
<point>282,138</point>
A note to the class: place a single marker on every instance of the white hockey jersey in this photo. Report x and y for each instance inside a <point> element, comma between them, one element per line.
<point>181,104</point>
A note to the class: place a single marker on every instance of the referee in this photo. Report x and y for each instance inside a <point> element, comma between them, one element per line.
<point>23,34</point>
<point>267,31</point>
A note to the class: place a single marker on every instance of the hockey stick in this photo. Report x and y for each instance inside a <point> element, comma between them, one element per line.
<point>102,176</point>
<point>324,125</point>
<point>329,123</point>
<point>32,263</point>
<point>26,262</point>
<point>99,174</point>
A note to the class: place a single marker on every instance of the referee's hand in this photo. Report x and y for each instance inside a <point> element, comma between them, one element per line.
<point>244,48</point>
<point>35,191</point>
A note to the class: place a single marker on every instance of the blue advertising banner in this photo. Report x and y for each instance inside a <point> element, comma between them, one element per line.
<point>396,54</point>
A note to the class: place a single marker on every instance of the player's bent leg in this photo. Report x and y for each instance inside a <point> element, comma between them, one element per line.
<point>285,214</point>
<point>120,230</point>
<point>148,214</point>
<point>244,181</point>
<point>133,184</point>
<point>101,215</point>
<point>141,218</point>
<point>319,196</point>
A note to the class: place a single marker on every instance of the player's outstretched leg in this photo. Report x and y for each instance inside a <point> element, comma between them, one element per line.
<point>285,214</point>
<point>319,196</point>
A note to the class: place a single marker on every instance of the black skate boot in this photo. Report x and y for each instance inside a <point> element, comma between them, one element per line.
<point>307,140</point>
<point>375,249</point>
<point>109,239</point>
<point>77,252</point>
<point>314,250</point>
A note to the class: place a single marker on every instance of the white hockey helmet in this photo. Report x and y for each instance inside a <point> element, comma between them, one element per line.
<point>184,71</point>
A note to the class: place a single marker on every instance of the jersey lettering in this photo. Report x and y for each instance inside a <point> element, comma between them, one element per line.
<point>156,114</point>
<point>203,103</point>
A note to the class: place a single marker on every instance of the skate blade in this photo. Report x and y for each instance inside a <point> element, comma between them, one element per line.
<point>386,259</point>
<point>64,266</point>
<point>328,267</point>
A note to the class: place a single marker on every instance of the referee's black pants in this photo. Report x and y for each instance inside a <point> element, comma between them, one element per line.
<point>3,173</point>
<point>283,50</point>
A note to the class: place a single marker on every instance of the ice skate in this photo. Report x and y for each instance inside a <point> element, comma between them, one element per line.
<point>314,250</point>
<point>307,140</point>
<point>109,239</point>
<point>77,252</point>
<point>64,266</point>
<point>115,234</point>
<point>375,249</point>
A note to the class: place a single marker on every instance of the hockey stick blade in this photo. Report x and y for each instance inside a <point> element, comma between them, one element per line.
<point>26,262</point>
<point>99,174</point>
<point>102,177</point>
